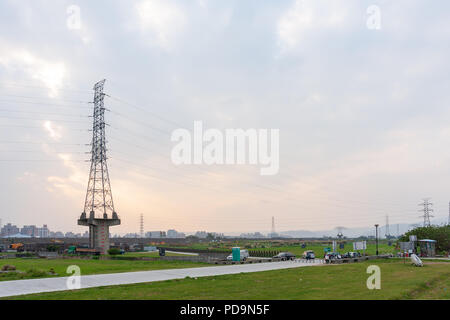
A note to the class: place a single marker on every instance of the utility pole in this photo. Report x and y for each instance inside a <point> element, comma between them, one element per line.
<point>448,222</point>
<point>398,230</point>
<point>426,211</point>
<point>99,213</point>
<point>376,237</point>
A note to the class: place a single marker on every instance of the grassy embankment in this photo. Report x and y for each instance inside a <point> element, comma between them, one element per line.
<point>39,268</point>
<point>398,281</point>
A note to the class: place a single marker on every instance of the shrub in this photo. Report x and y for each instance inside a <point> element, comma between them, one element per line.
<point>8,267</point>
<point>114,251</point>
<point>36,273</point>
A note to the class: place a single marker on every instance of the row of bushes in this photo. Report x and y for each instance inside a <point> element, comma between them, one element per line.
<point>263,253</point>
<point>30,273</point>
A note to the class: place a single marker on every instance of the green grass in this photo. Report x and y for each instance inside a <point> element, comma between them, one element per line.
<point>398,281</point>
<point>87,266</point>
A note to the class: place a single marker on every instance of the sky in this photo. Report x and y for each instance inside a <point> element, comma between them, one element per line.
<point>357,89</point>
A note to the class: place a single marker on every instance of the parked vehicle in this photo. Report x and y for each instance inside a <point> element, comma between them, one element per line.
<point>244,255</point>
<point>309,255</point>
<point>332,256</point>
<point>284,256</point>
<point>351,255</point>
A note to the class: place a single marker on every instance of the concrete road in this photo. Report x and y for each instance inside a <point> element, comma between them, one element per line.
<point>20,287</point>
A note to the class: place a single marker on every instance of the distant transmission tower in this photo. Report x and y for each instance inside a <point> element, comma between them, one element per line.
<point>387,227</point>
<point>99,203</point>
<point>426,212</point>
<point>142,225</point>
<point>273,228</point>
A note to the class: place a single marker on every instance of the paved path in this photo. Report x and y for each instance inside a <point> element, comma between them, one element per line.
<point>20,287</point>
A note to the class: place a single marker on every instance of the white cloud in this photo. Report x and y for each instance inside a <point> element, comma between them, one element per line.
<point>308,17</point>
<point>73,185</point>
<point>51,74</point>
<point>162,19</point>
<point>53,131</point>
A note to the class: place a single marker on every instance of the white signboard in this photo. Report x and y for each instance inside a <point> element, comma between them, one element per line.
<point>361,245</point>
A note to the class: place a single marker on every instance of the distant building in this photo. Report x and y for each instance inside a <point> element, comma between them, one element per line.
<point>131,235</point>
<point>70,235</point>
<point>256,235</point>
<point>9,230</point>
<point>201,234</point>
<point>43,232</point>
<point>175,234</point>
<point>31,231</point>
<point>156,234</point>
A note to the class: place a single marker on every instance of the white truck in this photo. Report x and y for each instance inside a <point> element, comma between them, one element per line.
<point>244,255</point>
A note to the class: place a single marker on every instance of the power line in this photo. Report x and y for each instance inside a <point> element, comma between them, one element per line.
<point>11,84</point>
<point>42,142</point>
<point>36,119</point>
<point>46,104</point>
<point>146,111</point>
<point>42,98</point>
<point>48,113</point>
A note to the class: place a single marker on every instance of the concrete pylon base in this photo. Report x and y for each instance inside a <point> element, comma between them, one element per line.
<point>98,231</point>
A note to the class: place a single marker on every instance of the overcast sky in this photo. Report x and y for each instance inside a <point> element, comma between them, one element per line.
<point>363,112</point>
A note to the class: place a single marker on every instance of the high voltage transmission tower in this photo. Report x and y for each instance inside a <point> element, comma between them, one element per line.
<point>426,211</point>
<point>273,232</point>
<point>142,225</point>
<point>99,202</point>
<point>388,235</point>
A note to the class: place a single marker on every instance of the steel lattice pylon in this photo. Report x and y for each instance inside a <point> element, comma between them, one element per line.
<point>99,202</point>
<point>99,196</point>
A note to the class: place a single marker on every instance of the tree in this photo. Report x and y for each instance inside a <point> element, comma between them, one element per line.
<point>439,233</point>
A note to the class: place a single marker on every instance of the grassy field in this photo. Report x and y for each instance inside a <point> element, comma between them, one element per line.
<point>40,267</point>
<point>398,281</point>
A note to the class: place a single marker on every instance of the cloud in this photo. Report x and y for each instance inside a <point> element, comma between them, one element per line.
<point>53,131</point>
<point>308,17</point>
<point>72,185</point>
<point>163,20</point>
<point>51,74</point>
